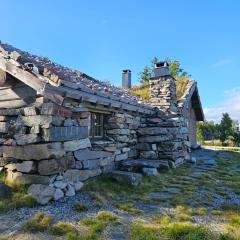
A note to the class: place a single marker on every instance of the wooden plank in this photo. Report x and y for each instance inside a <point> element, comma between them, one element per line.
<point>24,76</point>
<point>21,92</point>
<point>16,103</point>
<point>80,86</point>
<point>3,76</point>
<point>88,97</point>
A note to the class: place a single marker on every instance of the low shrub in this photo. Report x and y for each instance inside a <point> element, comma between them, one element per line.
<point>79,207</point>
<point>62,228</point>
<point>39,222</point>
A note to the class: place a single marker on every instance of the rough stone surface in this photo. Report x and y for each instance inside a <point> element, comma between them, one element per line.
<point>58,194</point>
<point>4,190</point>
<point>70,191</point>
<point>78,186</point>
<point>41,193</point>
<point>77,144</point>
<point>25,166</point>
<point>65,133</point>
<point>25,139</point>
<point>20,178</point>
<point>75,175</point>
<point>54,166</point>
<point>127,177</point>
<point>60,184</point>
<point>150,171</point>
<point>34,152</point>
<point>88,155</point>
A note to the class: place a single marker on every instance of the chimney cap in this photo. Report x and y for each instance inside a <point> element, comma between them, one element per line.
<point>126,70</point>
<point>161,64</point>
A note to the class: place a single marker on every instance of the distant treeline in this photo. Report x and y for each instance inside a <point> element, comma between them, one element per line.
<point>226,133</point>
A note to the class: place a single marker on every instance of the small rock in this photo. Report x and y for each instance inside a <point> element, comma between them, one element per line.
<point>58,178</point>
<point>150,171</point>
<point>41,193</point>
<point>4,190</point>
<point>60,184</point>
<point>192,160</point>
<point>78,186</point>
<point>68,122</point>
<point>52,179</point>
<point>58,194</point>
<point>70,191</point>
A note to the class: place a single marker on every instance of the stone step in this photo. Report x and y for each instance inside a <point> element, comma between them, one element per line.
<point>143,163</point>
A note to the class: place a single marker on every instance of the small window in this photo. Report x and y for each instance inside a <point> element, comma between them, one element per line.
<point>96,129</point>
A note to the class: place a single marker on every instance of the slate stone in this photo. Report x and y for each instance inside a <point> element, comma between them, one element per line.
<point>150,171</point>
<point>5,190</point>
<point>24,139</point>
<point>127,177</point>
<point>34,152</point>
<point>25,166</point>
<point>65,133</point>
<point>88,155</point>
<point>75,175</point>
<point>75,145</point>
<point>54,166</point>
<point>41,193</point>
<point>21,178</point>
<point>121,157</point>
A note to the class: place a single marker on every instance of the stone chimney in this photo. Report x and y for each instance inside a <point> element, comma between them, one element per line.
<point>163,89</point>
<point>126,78</point>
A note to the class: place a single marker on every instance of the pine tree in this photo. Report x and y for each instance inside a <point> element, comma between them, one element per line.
<point>145,76</point>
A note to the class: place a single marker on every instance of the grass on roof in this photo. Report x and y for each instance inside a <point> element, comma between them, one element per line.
<point>144,92</point>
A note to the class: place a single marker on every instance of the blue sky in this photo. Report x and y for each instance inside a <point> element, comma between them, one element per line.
<point>103,37</point>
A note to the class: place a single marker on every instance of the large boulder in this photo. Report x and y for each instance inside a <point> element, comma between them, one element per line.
<point>4,190</point>
<point>41,193</point>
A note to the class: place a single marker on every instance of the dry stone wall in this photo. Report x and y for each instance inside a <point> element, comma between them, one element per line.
<point>37,143</point>
<point>165,138</point>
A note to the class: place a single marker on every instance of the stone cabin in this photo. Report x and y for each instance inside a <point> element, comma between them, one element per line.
<point>58,121</point>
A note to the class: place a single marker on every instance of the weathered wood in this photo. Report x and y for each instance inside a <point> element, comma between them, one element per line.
<point>20,92</point>
<point>3,76</point>
<point>17,103</point>
<point>89,97</point>
<point>24,76</point>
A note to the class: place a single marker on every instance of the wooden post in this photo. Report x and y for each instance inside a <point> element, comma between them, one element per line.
<point>3,76</point>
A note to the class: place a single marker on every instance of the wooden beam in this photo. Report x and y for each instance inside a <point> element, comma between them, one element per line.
<point>88,97</point>
<point>26,77</point>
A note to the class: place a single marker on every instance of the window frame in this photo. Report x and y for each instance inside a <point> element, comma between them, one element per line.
<point>93,126</point>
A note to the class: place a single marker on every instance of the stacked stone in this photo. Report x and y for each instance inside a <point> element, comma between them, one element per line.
<point>39,142</point>
<point>163,93</point>
<point>121,128</point>
<point>163,138</point>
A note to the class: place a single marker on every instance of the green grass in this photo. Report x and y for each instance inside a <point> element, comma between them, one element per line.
<point>79,207</point>
<point>183,217</point>
<point>39,222</point>
<point>171,231</point>
<point>62,228</point>
<point>216,212</point>
<point>106,216</point>
<point>128,207</point>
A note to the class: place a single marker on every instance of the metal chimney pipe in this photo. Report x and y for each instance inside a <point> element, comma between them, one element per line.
<point>161,69</point>
<point>126,78</point>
